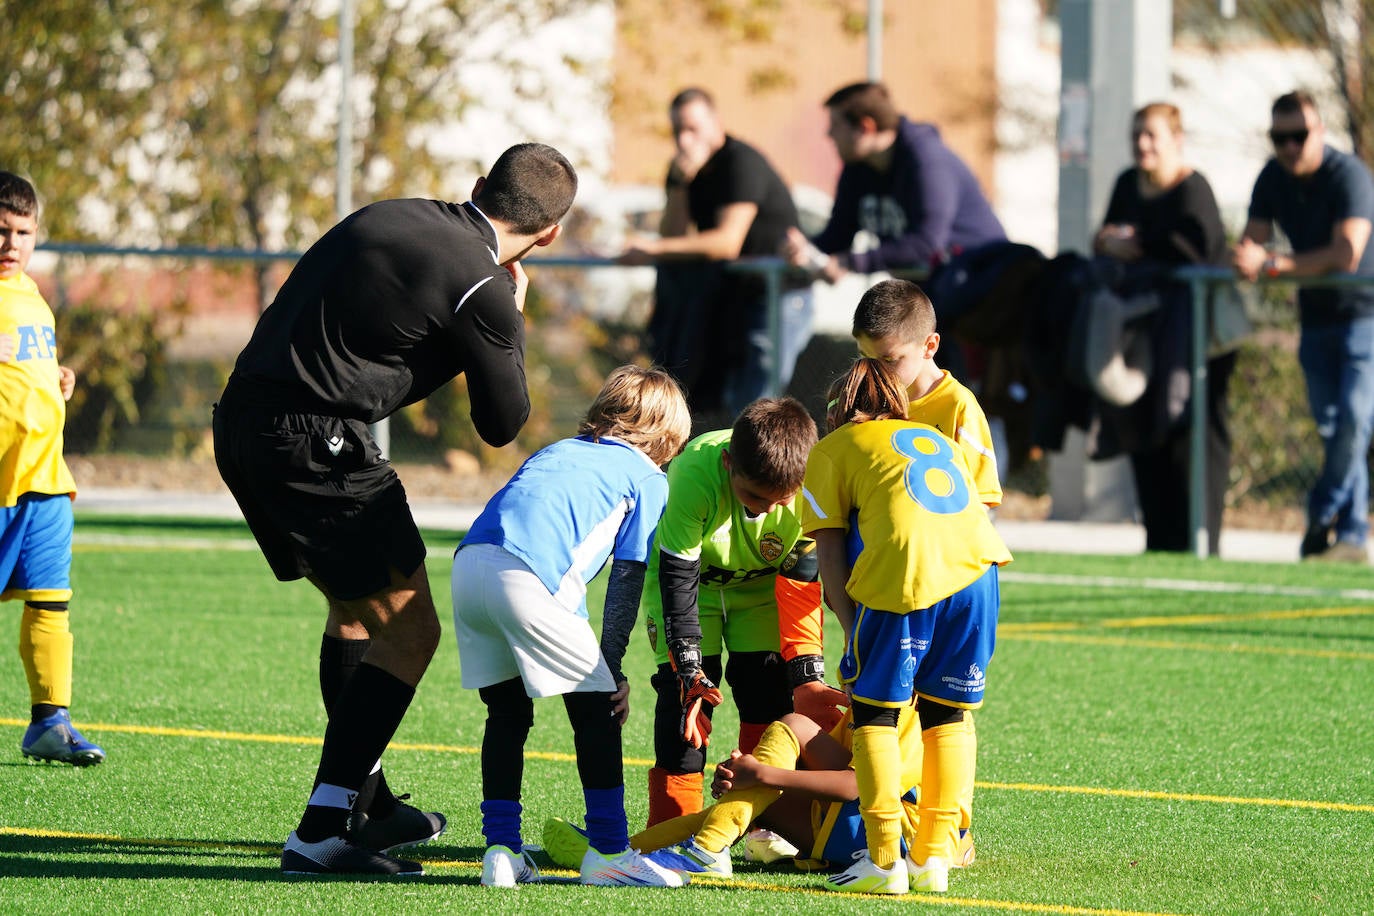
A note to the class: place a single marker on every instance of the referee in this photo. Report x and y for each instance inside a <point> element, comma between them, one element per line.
<point>394,301</point>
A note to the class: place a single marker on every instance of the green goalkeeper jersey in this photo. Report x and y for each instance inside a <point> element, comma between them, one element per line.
<point>740,557</point>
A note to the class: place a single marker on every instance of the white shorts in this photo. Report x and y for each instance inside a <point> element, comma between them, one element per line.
<point>509,625</point>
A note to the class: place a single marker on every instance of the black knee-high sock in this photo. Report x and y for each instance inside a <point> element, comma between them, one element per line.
<point>339,658</point>
<point>366,715</point>
<point>510,715</point>
<point>596,738</point>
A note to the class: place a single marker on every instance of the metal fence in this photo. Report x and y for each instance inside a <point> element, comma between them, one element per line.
<point>1276,452</point>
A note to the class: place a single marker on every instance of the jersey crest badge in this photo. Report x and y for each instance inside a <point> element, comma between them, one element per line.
<point>770,547</point>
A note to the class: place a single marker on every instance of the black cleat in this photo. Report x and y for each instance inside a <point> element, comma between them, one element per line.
<point>337,856</point>
<point>406,825</point>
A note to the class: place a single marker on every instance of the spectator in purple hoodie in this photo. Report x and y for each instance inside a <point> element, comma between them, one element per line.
<point>900,183</point>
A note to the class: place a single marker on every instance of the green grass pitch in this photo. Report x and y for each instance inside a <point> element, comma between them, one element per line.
<point>1161,735</point>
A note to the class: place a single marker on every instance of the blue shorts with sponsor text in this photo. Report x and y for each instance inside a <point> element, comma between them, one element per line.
<point>941,652</point>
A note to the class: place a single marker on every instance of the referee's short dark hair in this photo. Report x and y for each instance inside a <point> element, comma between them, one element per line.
<point>17,195</point>
<point>529,188</point>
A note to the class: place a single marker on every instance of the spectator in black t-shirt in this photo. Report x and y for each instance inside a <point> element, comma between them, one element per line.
<point>1162,214</point>
<point>716,339</point>
<point>1323,200</point>
<point>391,303</point>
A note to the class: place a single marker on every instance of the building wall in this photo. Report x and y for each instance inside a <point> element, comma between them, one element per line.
<point>938,57</point>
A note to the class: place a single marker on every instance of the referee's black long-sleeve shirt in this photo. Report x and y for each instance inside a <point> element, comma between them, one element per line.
<point>391,303</point>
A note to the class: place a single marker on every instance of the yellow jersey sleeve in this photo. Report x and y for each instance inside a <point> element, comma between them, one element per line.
<point>954,410</point>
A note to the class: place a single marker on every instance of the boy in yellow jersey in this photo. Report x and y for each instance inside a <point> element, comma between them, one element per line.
<point>895,322</point>
<point>908,558</point>
<point>36,486</point>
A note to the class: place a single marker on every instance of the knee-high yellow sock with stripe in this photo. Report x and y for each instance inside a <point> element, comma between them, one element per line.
<point>45,645</point>
<point>966,793</point>
<point>668,833</point>
<point>944,774</point>
<point>878,769</point>
<point>728,819</point>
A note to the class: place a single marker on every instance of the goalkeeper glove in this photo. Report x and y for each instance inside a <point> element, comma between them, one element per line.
<point>693,689</point>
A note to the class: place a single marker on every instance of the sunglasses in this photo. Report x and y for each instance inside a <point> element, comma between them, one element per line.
<point>1281,137</point>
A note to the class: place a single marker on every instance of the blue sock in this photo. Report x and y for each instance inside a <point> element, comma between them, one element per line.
<point>501,823</point>
<point>607,830</point>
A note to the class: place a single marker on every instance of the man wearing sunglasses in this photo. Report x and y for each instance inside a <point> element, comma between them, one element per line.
<point>1323,200</point>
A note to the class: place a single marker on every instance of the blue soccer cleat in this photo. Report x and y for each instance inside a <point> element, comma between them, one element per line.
<point>687,858</point>
<point>55,738</point>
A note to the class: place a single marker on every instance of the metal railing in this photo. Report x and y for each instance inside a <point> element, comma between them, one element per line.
<point>1200,281</point>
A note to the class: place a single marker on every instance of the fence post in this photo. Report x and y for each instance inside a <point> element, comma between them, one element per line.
<point>772,276</point>
<point>1197,472</point>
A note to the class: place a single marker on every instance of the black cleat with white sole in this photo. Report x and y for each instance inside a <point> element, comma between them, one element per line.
<point>337,856</point>
<point>406,825</point>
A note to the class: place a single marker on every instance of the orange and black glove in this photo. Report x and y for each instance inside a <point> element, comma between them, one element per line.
<point>694,688</point>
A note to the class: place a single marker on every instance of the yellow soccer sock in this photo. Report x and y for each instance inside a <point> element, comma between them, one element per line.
<point>878,768</point>
<point>966,793</point>
<point>45,645</point>
<point>728,819</point>
<point>944,774</point>
<point>668,833</point>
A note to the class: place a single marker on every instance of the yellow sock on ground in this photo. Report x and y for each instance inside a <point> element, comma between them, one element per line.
<point>728,819</point>
<point>878,768</point>
<point>45,645</point>
<point>944,774</point>
<point>668,833</point>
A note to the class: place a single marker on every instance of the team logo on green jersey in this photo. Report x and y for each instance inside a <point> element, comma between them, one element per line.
<point>770,547</point>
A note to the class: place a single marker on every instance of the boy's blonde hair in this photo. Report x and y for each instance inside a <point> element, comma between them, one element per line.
<point>868,391</point>
<point>644,407</point>
<point>770,441</point>
<point>894,309</point>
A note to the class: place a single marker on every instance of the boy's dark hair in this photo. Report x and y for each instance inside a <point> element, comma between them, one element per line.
<point>894,308</point>
<point>770,441</point>
<point>17,195</point>
<point>1295,102</point>
<point>865,100</point>
<point>530,187</point>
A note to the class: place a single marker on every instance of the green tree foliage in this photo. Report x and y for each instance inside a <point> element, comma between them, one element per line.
<point>204,122</point>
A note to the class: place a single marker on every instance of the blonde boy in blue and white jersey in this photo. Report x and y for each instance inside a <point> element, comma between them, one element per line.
<point>909,562</point>
<point>520,614</point>
<point>36,488</point>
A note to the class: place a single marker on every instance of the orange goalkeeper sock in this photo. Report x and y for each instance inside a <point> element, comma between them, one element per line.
<point>673,795</point>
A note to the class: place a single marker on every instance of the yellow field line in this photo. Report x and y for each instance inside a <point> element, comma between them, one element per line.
<point>1128,642</point>
<point>446,864</point>
<point>1177,796</point>
<point>636,762</point>
<point>1184,620</point>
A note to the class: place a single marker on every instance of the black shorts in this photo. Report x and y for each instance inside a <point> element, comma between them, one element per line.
<point>318,496</point>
